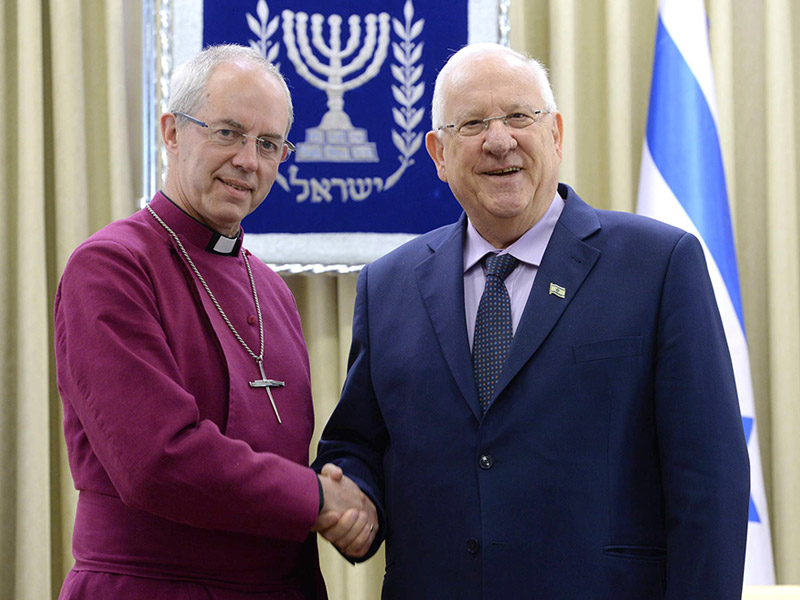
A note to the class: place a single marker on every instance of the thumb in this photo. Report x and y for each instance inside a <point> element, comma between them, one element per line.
<point>333,471</point>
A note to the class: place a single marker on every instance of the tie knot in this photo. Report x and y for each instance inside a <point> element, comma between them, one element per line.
<point>500,265</point>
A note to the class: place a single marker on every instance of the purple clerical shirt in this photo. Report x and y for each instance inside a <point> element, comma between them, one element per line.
<point>184,473</point>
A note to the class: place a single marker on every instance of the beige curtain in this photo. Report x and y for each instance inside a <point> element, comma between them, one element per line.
<point>70,160</point>
<point>68,90</point>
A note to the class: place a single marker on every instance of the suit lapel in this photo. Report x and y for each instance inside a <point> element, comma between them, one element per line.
<point>441,284</point>
<point>566,263</point>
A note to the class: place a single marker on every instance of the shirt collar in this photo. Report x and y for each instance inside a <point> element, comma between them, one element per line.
<point>529,248</point>
<point>194,231</point>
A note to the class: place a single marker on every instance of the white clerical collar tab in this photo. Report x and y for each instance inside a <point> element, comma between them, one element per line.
<point>224,244</point>
<point>221,244</point>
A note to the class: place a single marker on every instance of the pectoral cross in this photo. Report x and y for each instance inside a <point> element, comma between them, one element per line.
<point>267,383</point>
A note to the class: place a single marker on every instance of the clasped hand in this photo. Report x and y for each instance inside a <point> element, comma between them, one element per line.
<point>348,518</point>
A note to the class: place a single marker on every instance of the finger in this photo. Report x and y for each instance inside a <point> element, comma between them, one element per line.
<point>333,471</point>
<point>341,532</point>
<point>354,531</point>
<point>363,542</point>
<point>326,520</point>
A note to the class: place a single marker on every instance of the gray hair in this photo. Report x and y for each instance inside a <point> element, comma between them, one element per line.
<point>188,82</point>
<point>538,71</point>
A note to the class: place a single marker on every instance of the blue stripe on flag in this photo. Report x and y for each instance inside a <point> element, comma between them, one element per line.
<point>683,141</point>
<point>747,423</point>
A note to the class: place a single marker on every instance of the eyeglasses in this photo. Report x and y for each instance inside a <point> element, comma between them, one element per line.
<point>226,136</point>
<point>516,120</point>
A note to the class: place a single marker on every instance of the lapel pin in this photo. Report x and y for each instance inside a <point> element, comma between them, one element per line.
<point>557,290</point>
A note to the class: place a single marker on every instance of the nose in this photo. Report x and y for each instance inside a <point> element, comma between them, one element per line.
<point>246,156</point>
<point>498,138</point>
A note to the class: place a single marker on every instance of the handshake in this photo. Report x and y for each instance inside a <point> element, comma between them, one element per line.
<point>348,518</point>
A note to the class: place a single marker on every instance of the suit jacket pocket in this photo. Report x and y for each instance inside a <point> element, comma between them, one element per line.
<point>616,348</point>
<point>647,553</point>
<point>635,572</point>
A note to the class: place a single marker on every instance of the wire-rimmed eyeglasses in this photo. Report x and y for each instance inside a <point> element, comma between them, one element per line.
<point>515,120</point>
<point>273,150</point>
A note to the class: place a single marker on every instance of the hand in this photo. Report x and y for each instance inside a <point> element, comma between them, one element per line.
<point>348,519</point>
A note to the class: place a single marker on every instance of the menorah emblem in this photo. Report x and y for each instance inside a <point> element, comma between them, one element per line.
<point>336,139</point>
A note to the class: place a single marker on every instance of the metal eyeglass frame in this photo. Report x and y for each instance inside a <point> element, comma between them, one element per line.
<point>290,147</point>
<point>485,122</point>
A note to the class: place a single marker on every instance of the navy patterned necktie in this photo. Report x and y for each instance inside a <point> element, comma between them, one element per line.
<point>493,331</point>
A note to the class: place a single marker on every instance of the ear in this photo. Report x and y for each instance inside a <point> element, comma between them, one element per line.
<point>169,132</point>
<point>436,151</point>
<point>558,132</point>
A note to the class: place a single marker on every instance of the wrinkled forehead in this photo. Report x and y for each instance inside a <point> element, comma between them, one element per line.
<point>478,84</point>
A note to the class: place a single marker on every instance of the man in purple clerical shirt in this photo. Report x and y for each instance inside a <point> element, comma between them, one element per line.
<point>184,373</point>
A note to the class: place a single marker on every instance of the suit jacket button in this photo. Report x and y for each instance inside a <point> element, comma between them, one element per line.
<point>473,546</point>
<point>485,461</point>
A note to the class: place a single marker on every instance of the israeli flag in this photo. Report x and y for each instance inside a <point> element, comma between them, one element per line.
<point>682,182</point>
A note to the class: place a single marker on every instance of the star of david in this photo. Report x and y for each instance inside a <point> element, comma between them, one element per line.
<point>752,516</point>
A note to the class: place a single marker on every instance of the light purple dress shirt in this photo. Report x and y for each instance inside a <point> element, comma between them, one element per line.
<point>529,249</point>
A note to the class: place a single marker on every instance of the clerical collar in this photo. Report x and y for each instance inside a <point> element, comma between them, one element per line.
<point>216,242</point>
<point>222,244</point>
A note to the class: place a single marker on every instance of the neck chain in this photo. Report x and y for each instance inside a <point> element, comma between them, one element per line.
<point>259,358</point>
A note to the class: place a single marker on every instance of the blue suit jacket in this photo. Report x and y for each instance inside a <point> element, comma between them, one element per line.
<point>612,461</point>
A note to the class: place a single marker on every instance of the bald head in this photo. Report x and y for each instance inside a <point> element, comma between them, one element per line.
<point>476,53</point>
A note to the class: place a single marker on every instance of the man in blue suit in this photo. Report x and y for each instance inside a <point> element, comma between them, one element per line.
<point>608,459</point>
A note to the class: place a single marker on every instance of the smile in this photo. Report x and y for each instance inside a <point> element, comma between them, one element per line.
<point>506,171</point>
<point>235,186</point>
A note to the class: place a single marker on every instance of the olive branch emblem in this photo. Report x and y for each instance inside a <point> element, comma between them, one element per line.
<point>264,29</point>
<point>408,92</point>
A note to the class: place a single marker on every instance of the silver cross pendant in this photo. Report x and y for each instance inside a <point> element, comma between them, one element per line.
<point>267,384</point>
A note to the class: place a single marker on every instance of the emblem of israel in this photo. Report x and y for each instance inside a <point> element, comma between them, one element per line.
<point>336,140</point>
<point>335,54</point>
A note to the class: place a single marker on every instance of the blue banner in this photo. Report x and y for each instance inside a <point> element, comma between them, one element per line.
<point>361,76</point>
